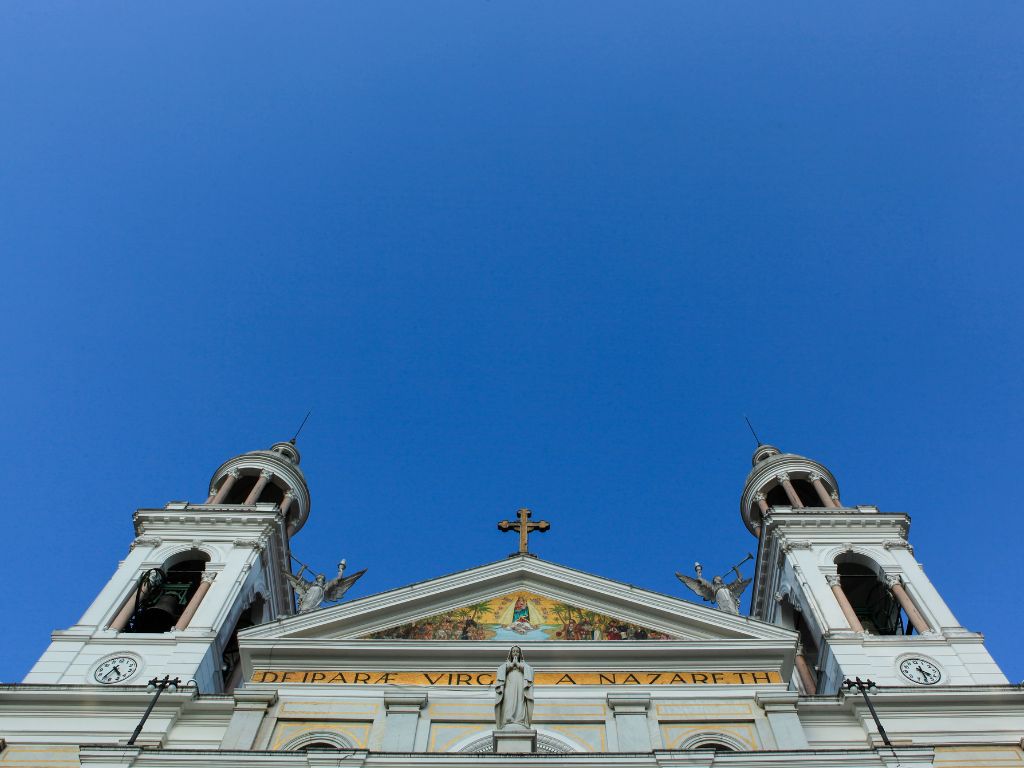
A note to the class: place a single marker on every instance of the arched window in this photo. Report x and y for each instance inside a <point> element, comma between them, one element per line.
<point>719,742</point>
<point>777,497</point>
<point>792,618</point>
<point>862,582</point>
<point>272,492</point>
<point>161,595</point>
<point>231,666</point>
<point>313,740</point>
<point>547,743</point>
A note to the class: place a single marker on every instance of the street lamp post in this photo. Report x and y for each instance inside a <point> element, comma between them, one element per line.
<point>864,686</point>
<point>156,686</point>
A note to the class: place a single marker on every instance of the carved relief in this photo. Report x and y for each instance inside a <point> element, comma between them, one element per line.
<point>146,541</point>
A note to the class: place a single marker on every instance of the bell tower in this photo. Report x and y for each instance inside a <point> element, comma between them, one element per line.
<point>195,576</point>
<point>846,579</point>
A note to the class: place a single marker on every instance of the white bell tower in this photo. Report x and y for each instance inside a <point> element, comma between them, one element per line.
<point>196,575</point>
<point>845,577</point>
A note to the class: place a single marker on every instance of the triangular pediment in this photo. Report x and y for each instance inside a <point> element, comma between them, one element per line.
<point>521,599</point>
<point>517,616</point>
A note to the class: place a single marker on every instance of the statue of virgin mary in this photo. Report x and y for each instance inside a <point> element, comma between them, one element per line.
<point>513,691</point>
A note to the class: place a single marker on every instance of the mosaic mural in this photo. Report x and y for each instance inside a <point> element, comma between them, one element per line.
<point>519,616</point>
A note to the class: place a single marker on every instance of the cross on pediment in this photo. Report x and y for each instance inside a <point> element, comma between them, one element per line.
<point>525,527</point>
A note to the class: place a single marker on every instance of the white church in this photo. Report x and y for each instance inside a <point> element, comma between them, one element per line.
<point>205,650</point>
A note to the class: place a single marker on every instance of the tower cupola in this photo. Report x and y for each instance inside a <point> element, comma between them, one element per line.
<point>785,479</point>
<point>265,477</point>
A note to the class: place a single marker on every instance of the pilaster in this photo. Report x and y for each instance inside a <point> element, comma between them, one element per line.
<point>401,720</point>
<point>780,709</point>
<point>630,710</point>
<point>250,708</point>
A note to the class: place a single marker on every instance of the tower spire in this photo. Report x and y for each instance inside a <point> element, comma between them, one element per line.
<point>758,439</point>
<point>305,418</point>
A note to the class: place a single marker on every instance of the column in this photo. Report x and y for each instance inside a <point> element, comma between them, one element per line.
<point>630,712</point>
<point>803,669</point>
<point>225,486</point>
<point>907,605</point>
<point>121,620</point>
<point>826,500</point>
<point>403,715</point>
<point>780,707</point>
<point>787,486</point>
<point>250,708</point>
<point>206,581</point>
<point>286,502</point>
<point>844,604</point>
<point>257,489</point>
<point>762,504</point>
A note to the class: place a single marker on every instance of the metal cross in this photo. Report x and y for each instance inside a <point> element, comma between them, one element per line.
<point>525,527</point>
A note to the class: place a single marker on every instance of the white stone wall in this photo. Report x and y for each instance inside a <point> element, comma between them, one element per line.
<point>807,546</point>
<point>237,557</point>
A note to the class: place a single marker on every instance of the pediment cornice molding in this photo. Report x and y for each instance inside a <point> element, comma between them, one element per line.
<point>657,611</point>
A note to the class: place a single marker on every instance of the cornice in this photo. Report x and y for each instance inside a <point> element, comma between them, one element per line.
<point>119,755</point>
<point>231,518</point>
<point>843,518</point>
<point>909,700</point>
<point>455,654</point>
<point>655,610</point>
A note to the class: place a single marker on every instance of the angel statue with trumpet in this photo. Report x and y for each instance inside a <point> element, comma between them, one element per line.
<point>725,596</point>
<point>313,593</point>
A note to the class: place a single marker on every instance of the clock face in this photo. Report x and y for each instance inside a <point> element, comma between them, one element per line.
<point>115,670</point>
<point>920,671</point>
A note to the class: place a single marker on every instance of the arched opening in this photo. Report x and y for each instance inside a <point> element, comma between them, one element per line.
<point>231,658</point>
<point>163,593</point>
<point>791,618</point>
<point>272,493</point>
<point>806,492</point>
<point>777,497</point>
<point>547,743</point>
<point>787,613</point>
<point>717,742</point>
<point>876,608</point>
<point>317,740</point>
<point>241,489</point>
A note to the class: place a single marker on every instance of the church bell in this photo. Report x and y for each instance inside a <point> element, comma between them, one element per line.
<point>160,616</point>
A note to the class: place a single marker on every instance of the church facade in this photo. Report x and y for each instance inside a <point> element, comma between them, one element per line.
<point>205,649</point>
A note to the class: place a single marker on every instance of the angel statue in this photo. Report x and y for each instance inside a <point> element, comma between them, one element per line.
<point>313,593</point>
<point>726,596</point>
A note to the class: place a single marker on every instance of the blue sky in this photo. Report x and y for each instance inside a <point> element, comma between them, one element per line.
<point>541,254</point>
